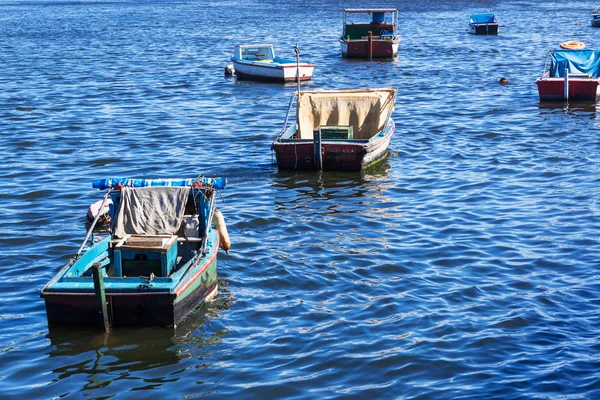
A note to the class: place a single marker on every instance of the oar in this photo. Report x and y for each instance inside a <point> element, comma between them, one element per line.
<point>89,233</point>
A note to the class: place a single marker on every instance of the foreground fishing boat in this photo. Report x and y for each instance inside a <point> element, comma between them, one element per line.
<point>258,62</point>
<point>156,262</point>
<point>377,38</point>
<point>573,75</point>
<point>483,24</point>
<point>347,130</point>
<point>596,17</point>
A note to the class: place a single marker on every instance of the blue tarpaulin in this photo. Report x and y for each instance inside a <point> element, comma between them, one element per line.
<point>577,61</point>
<point>482,18</point>
<point>218,183</point>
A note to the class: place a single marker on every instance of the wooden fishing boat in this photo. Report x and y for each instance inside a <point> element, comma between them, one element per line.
<point>258,62</point>
<point>483,24</point>
<point>573,75</point>
<point>377,38</point>
<point>155,263</point>
<point>347,130</point>
<point>596,17</point>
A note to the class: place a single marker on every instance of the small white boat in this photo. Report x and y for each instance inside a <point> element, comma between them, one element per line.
<point>258,62</point>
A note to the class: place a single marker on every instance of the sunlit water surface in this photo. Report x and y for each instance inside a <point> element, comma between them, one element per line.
<point>464,266</point>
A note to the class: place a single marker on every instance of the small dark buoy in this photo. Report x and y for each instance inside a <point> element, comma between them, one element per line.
<point>503,81</point>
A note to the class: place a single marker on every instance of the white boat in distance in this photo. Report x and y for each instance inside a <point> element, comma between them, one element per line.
<point>258,62</point>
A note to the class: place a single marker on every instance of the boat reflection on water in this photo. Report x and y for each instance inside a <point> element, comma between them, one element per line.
<point>316,182</point>
<point>104,357</point>
<point>332,192</point>
<point>569,108</point>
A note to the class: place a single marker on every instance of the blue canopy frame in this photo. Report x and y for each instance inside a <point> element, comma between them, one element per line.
<point>482,18</point>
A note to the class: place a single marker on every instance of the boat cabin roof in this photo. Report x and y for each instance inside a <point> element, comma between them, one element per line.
<point>243,46</point>
<point>369,10</point>
<point>254,53</point>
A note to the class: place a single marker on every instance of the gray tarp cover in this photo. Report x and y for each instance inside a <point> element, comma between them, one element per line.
<point>150,211</point>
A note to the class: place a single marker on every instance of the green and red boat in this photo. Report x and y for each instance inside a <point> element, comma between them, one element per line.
<point>374,38</point>
<point>154,263</point>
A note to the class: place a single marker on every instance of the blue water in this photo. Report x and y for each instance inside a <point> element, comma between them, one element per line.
<point>464,266</point>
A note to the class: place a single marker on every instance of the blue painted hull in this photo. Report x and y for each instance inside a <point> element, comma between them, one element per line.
<point>132,301</point>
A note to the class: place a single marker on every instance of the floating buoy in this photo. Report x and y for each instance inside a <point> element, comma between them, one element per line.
<point>229,70</point>
<point>572,45</point>
<point>221,228</point>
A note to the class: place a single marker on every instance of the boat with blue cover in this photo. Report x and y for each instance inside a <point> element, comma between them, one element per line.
<point>258,62</point>
<point>156,261</point>
<point>483,24</point>
<point>570,75</point>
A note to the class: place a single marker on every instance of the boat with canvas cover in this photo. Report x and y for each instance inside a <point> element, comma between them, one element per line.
<point>154,264</point>
<point>377,38</point>
<point>258,62</point>
<point>346,130</point>
<point>483,24</point>
<point>570,75</point>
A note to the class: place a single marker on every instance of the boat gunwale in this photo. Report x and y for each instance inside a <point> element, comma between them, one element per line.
<point>271,64</point>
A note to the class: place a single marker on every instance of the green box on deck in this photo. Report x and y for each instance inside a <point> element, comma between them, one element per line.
<point>344,132</point>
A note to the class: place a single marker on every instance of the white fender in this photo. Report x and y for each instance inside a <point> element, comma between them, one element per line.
<point>221,228</point>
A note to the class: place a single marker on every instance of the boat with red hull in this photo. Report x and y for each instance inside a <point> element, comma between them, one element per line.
<point>377,38</point>
<point>344,130</point>
<point>155,263</point>
<point>573,75</point>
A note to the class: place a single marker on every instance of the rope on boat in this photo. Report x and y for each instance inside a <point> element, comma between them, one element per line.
<point>546,64</point>
<point>297,51</point>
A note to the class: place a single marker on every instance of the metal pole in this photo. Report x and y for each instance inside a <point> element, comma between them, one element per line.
<point>297,51</point>
<point>94,222</point>
<point>288,113</point>
<point>566,84</point>
<point>100,294</point>
<point>317,149</point>
<point>370,40</point>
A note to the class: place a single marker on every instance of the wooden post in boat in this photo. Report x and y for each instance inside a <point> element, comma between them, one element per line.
<point>297,51</point>
<point>566,84</point>
<point>100,294</point>
<point>317,149</point>
<point>370,42</point>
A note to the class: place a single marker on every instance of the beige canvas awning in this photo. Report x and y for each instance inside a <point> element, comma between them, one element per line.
<point>366,110</point>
